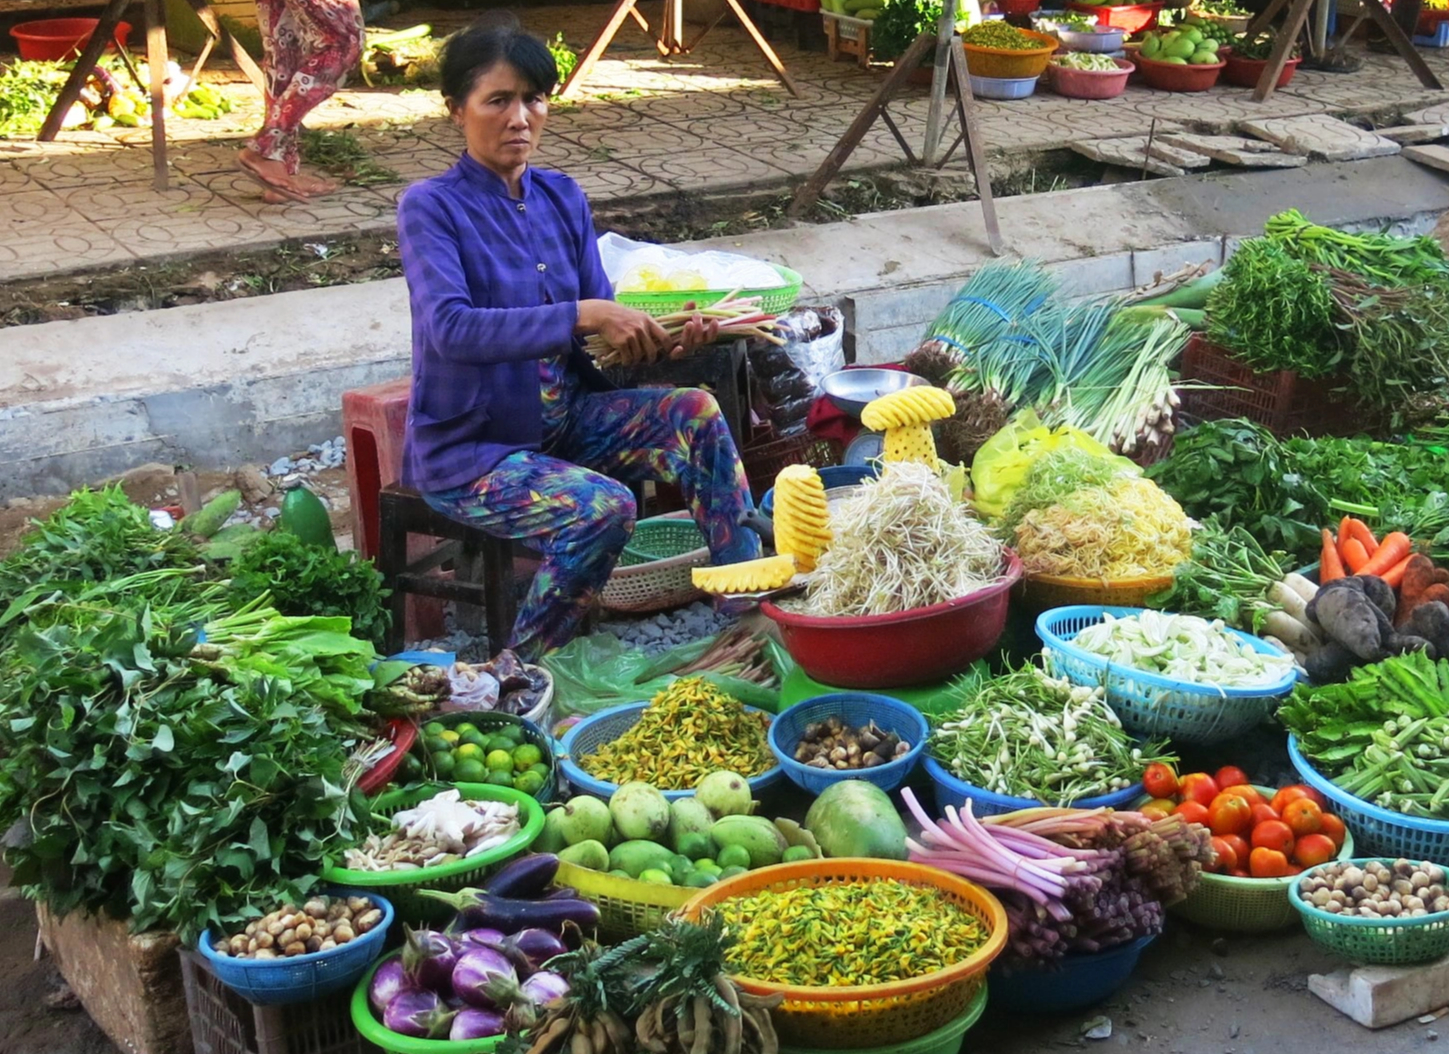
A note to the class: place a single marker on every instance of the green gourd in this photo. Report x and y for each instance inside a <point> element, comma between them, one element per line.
<point>304,515</point>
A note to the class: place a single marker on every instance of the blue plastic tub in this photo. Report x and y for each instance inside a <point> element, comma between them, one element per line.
<point>953,791</point>
<point>608,725</point>
<point>856,709</point>
<point>831,476</point>
<point>1376,831</point>
<point>1078,983</point>
<point>302,978</point>
<point>1150,704</point>
<point>1003,88</point>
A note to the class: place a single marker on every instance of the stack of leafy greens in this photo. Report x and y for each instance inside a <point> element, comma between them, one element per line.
<point>304,579</point>
<point>1228,577</point>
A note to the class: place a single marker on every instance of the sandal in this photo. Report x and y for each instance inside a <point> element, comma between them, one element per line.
<point>252,172</point>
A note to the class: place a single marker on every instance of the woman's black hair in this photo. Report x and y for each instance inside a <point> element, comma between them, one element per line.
<point>487,42</point>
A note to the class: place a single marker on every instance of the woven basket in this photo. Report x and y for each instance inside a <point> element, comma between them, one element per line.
<point>1385,942</point>
<point>1037,593</point>
<point>764,460</point>
<point>653,572</point>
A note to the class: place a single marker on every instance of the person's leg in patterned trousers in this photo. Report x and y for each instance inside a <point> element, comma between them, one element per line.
<point>580,518</point>
<point>310,48</point>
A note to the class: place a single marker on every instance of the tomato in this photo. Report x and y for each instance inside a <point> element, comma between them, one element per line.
<point>1192,812</point>
<point>1238,872</point>
<point>1230,776</point>
<point>1246,790</point>
<point>1225,857</point>
<point>1314,849</point>
<point>1160,781</point>
<point>1267,863</point>
<point>1262,813</point>
<point>1158,808</point>
<point>1198,787</point>
<point>1229,814</point>
<point>1304,816</point>
<point>1273,834</point>
<point>1240,847</point>
<point>1285,795</point>
<point>1333,827</point>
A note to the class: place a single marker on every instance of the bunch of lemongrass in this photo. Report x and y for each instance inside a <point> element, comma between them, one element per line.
<point>737,317</point>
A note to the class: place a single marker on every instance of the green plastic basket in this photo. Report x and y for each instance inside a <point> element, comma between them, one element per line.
<point>661,537</point>
<point>775,301</point>
<point>945,1040</point>
<point>1396,942</point>
<point>401,886</point>
<point>370,1028</point>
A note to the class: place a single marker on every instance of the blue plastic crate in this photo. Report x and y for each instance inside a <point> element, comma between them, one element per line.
<point>856,709</point>
<point>951,790</point>
<point>1079,981</point>
<point>1377,831</point>
<point>1149,704</point>
<point>302,978</point>
<point>1437,39</point>
<point>608,725</point>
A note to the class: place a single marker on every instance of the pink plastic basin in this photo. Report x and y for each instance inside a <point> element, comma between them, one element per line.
<point>1091,84</point>
<point>54,39</point>
<point>922,646</point>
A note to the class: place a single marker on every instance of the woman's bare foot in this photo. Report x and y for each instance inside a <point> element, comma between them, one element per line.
<point>313,186</point>
<point>277,185</point>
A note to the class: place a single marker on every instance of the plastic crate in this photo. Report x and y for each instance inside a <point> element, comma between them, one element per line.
<point>1150,704</point>
<point>763,460</point>
<point>847,36</point>
<point>1377,830</point>
<point>1385,942</point>
<point>950,790</point>
<point>627,906</point>
<point>1283,402</point>
<point>856,709</point>
<point>222,1022</point>
<point>1134,18</point>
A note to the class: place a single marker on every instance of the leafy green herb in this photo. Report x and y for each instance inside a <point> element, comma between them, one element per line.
<point>898,25</point>
<point>1274,313</point>
<point>303,579</point>
<point>27,92</point>
<point>1259,48</point>
<point>1228,577</point>
<point>1381,258</point>
<point>564,57</point>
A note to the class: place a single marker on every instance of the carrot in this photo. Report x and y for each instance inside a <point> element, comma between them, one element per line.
<point>1330,565</point>
<point>1355,557</point>
<point>1394,576</point>
<point>1391,550</point>
<point>1360,530</point>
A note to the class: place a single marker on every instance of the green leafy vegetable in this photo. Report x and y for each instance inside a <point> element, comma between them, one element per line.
<point>1274,313</point>
<point>1227,577</point>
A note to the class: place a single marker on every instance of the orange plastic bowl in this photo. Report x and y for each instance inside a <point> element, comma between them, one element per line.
<point>1169,76</point>
<point>920,646</point>
<point>54,39</point>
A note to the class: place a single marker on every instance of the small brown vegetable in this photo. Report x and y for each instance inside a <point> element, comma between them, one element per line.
<point>368,919</point>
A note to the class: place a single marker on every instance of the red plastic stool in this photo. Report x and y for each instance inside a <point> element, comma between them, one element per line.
<point>373,421</point>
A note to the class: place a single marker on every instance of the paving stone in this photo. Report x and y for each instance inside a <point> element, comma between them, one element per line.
<point>1128,152</point>
<point>1234,150</point>
<point>1432,156</point>
<point>1176,156</point>
<point>1415,133</point>
<point>1320,136</point>
<point>1379,996</point>
<point>1429,115</point>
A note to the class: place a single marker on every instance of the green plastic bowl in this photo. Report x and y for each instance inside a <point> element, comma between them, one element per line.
<point>1384,942</point>
<point>402,887</point>
<point>370,1028</point>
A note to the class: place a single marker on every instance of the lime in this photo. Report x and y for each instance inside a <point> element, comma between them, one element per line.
<point>451,736</point>
<point>733,856</point>
<point>434,728</point>
<point>411,768</point>
<point>500,779</point>
<point>475,737</point>
<point>699,879</point>
<point>499,761</point>
<point>731,872</point>
<point>469,770</point>
<point>433,744</point>
<point>680,866</point>
<point>465,751</point>
<point>797,853</point>
<point>512,733</point>
<point>541,769</point>
<point>619,872</point>
<point>464,727</point>
<point>528,782</point>
<point>707,865</point>
<point>655,876</point>
<point>503,743</point>
<point>443,763</point>
<point>526,756</point>
<point>696,845</point>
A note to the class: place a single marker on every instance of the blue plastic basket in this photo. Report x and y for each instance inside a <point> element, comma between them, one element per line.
<point>953,791</point>
<point>831,476</point>
<point>1004,88</point>
<point>1079,982</point>
<point>1376,830</point>
<point>608,725</point>
<point>1150,704</point>
<point>302,978</point>
<point>856,709</point>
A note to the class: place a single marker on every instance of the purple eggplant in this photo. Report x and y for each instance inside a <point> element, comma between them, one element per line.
<point>531,948</point>
<point>544,987</point>
<point>418,1013</point>
<point>477,969</point>
<point>387,982</point>
<point>428,958</point>
<point>561,893</point>
<point>471,938</point>
<point>525,878</point>
<point>473,1023</point>
<point>477,908</point>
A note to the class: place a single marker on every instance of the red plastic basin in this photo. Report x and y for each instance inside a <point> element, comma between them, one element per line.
<point>59,38</point>
<point>1169,76</point>
<point>1132,17</point>
<point>922,646</point>
<point>1244,73</point>
<point>1090,84</point>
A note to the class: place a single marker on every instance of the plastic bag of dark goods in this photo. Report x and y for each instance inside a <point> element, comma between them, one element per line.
<point>788,376</point>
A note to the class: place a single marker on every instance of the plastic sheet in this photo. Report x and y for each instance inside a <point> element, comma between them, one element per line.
<point>632,265</point>
<point>1001,464</point>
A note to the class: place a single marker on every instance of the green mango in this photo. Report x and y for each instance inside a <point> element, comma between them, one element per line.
<point>638,856</point>
<point>1174,60</point>
<point>688,817</point>
<point>1151,46</point>
<point>856,818</point>
<point>1202,58</point>
<point>755,834</point>
<point>1178,49</point>
<point>551,839</point>
<point>589,854</point>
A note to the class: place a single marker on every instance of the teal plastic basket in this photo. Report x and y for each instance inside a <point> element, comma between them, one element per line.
<point>775,301</point>
<point>1382,942</point>
<point>1150,704</point>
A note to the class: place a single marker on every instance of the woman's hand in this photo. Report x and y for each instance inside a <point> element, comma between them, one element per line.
<point>697,332</point>
<point>637,336</point>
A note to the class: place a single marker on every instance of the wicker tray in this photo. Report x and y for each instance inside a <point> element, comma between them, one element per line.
<point>653,572</point>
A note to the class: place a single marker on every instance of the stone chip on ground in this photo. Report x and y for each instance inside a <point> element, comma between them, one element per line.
<point>1320,136</point>
<point>1127,152</point>
<point>1233,150</point>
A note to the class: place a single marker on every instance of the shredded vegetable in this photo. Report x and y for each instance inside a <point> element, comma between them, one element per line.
<point>1127,529</point>
<point>1185,647</point>
<point>901,542</point>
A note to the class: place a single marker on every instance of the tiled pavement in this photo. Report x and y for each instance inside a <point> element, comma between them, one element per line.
<point>712,120</point>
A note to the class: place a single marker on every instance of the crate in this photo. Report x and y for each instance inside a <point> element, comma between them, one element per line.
<point>222,1022</point>
<point>847,36</point>
<point>1283,402</point>
<point>764,459</point>
<point>1439,38</point>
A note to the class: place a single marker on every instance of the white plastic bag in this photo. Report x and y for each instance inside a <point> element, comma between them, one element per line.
<point>639,267</point>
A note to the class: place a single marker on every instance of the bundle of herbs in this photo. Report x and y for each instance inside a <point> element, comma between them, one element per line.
<point>1383,259</point>
<point>1274,312</point>
<point>1228,577</point>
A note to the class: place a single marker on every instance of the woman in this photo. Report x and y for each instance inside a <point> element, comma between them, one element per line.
<point>309,46</point>
<point>510,426</point>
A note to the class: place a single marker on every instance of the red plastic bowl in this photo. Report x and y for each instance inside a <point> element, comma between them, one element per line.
<point>403,734</point>
<point>1244,73</point>
<point>54,39</point>
<point>1169,76</point>
<point>922,646</point>
<point>1132,17</point>
<point>1090,84</point>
